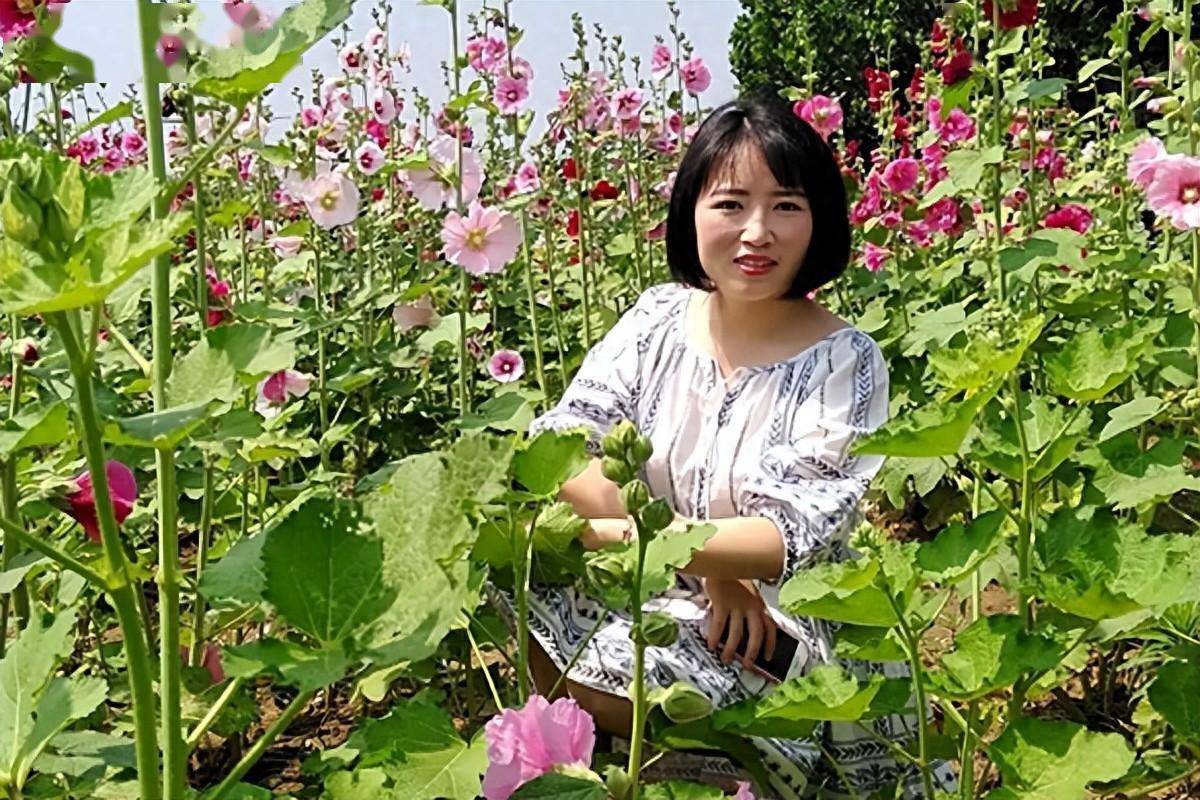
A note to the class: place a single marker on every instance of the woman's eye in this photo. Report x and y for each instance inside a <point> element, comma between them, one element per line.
<point>792,206</point>
<point>726,204</point>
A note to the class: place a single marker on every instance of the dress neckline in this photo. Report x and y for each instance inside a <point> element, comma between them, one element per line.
<point>752,369</point>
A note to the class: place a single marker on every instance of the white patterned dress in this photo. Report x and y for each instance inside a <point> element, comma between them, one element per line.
<point>770,441</point>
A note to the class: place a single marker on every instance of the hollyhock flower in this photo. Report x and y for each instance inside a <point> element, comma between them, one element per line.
<point>369,158</point>
<point>527,179</point>
<point>916,87</point>
<point>243,13</point>
<point>114,159</point>
<point>879,84</point>
<point>169,49</point>
<point>823,113</point>
<point>87,148</point>
<point>957,127</point>
<point>431,189</point>
<point>311,116</point>
<point>511,93</point>
<point>377,131</point>
<point>27,351</point>
<point>275,390</point>
<point>943,215</point>
<point>696,75</point>
<point>1072,215</point>
<point>351,58</point>
<point>383,105</point>
<point>939,38</point>
<point>506,366</point>
<point>957,67</point>
<point>18,18</point>
<point>920,233</point>
<point>1175,191</point>
<point>743,791</point>
<point>527,743</point>
<point>217,288</point>
<point>1013,13</point>
<point>891,219</point>
<point>874,256</point>
<point>1052,162</point>
<point>661,62</point>
<point>627,104</point>
<point>132,144</point>
<point>901,175</point>
<point>483,241</point>
<point>287,246</point>
<point>522,70</point>
<point>215,317</point>
<point>122,489</point>
<point>1144,159</point>
<point>603,190</point>
<point>573,223</point>
<point>569,170</point>
<point>332,199</point>
<point>418,314</point>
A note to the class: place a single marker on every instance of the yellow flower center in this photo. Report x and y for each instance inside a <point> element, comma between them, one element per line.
<point>1190,193</point>
<point>475,239</point>
<point>329,200</point>
<point>26,6</point>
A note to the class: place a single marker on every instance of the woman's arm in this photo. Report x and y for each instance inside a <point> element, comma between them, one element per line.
<point>592,495</point>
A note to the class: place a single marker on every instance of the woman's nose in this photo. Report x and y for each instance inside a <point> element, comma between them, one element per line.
<point>756,232</point>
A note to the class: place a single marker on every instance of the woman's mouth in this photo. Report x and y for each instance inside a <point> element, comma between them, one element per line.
<point>754,266</point>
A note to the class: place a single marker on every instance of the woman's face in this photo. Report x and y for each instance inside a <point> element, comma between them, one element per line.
<point>751,232</point>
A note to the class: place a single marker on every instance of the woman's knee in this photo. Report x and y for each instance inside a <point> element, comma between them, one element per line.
<point>612,714</point>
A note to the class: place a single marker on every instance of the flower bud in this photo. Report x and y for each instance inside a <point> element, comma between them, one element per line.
<point>616,471</point>
<point>635,495</point>
<point>659,629</point>
<point>606,572</point>
<point>657,515</point>
<point>626,433</point>
<point>612,447</point>
<point>640,450</point>
<point>616,781</point>
<point>20,216</point>
<point>682,702</point>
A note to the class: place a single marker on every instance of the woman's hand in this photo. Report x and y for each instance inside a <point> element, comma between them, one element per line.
<point>739,604</point>
<point>600,533</point>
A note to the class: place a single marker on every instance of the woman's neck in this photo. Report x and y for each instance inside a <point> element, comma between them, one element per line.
<point>737,325</point>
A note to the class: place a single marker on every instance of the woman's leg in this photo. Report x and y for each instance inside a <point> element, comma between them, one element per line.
<point>612,714</point>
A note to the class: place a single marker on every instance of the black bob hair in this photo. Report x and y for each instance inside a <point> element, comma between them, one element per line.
<point>796,156</point>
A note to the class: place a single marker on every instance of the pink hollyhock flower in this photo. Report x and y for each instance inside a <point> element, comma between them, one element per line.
<point>18,18</point>
<point>369,158</point>
<point>114,159</point>
<point>122,490</point>
<point>661,62</point>
<point>1074,216</point>
<point>901,175</point>
<point>351,58</point>
<point>696,75</point>
<point>169,49</point>
<point>132,144</point>
<point>274,391</point>
<point>27,351</point>
<point>287,246</point>
<point>920,233</point>
<point>942,215</point>
<point>957,127</point>
<point>383,105</point>
<point>603,190</point>
<point>483,241</point>
<point>332,199</point>
<point>432,190</point>
<point>743,791</point>
<point>217,288</point>
<point>527,179</point>
<point>891,219</point>
<point>1175,191</point>
<point>874,256</point>
<point>243,13</point>
<point>311,116</point>
<point>506,366</point>
<point>823,113</point>
<point>527,743</point>
<point>511,93</point>
<point>87,148</point>
<point>418,314</point>
<point>1144,159</point>
<point>627,104</point>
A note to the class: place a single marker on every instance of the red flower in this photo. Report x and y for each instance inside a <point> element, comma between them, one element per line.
<point>378,131</point>
<point>121,486</point>
<point>957,67</point>
<point>215,317</point>
<point>879,83</point>
<point>916,87</point>
<point>938,37</point>
<point>1072,215</point>
<point>573,223</point>
<point>569,170</point>
<point>603,190</point>
<point>1013,13</point>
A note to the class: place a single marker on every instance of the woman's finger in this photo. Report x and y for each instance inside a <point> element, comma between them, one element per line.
<point>734,638</point>
<point>769,633</point>
<point>754,624</point>
<point>717,615</point>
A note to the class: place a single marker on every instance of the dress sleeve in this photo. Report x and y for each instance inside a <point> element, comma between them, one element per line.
<point>605,389</point>
<point>809,485</point>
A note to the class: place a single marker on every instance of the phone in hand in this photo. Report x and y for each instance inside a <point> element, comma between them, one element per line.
<point>774,668</point>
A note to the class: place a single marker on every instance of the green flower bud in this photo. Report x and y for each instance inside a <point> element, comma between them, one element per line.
<point>682,702</point>
<point>640,450</point>
<point>659,629</point>
<point>657,515</point>
<point>616,781</point>
<point>626,433</point>
<point>606,572</point>
<point>635,495</point>
<point>616,471</point>
<point>21,216</point>
<point>612,448</point>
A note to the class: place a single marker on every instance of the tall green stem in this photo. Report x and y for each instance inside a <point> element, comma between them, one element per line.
<point>638,693</point>
<point>266,740</point>
<point>1190,120</point>
<point>912,647</point>
<point>997,137</point>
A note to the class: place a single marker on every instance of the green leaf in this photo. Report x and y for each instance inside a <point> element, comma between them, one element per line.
<point>992,653</point>
<point>550,460</point>
<point>681,790</point>
<point>555,786</point>
<point>119,111</point>
<point>1175,694</point>
<point>1092,362</point>
<point>670,550</point>
<point>1129,476</point>
<point>869,644</point>
<point>506,412</point>
<point>957,550</point>
<point>1091,68</point>
<point>1040,88</point>
<point>844,591</point>
<point>324,571</point>
<point>1130,415</point>
<point>936,429</point>
<point>966,166</point>
<point>1041,760</point>
<point>237,576</point>
<point>252,350</point>
<point>236,75</point>
<point>293,664</point>
<point>1052,432</point>
<point>983,359</point>
<point>163,430</point>
<point>34,427</point>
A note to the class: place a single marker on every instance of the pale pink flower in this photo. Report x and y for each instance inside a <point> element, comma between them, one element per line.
<point>661,62</point>
<point>511,93</point>
<point>527,179</point>
<point>483,241</point>
<point>287,246</point>
<point>957,127</point>
<point>311,116</point>
<point>383,105</point>
<point>431,185</point>
<point>506,366</point>
<point>369,157</point>
<point>743,791</point>
<point>332,199</point>
<point>418,314</point>
<point>351,58</point>
<point>375,40</point>
<point>527,743</point>
<point>133,145</point>
<point>696,76</point>
<point>1175,191</point>
<point>901,175</point>
<point>627,104</point>
<point>874,256</point>
<point>243,13</point>
<point>521,69</point>
<point>275,390</point>
<point>169,49</point>
<point>1144,159</point>
<point>823,113</point>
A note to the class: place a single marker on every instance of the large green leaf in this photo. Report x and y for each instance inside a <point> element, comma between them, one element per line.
<point>1052,432</point>
<point>1175,694</point>
<point>324,571</point>
<point>936,429</point>
<point>984,358</point>
<point>1129,476</point>
<point>236,75</point>
<point>1093,362</point>
<point>667,552</point>
<point>556,786</point>
<point>288,662</point>
<point>959,549</point>
<point>844,591</point>
<point>1042,760</point>
<point>992,653</point>
<point>37,426</point>
<point>549,460</point>
<point>212,368</point>
<point>237,576</point>
<point>158,429</point>
<point>1130,415</point>
<point>557,556</point>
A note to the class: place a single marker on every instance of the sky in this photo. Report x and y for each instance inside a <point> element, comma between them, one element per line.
<point>106,30</point>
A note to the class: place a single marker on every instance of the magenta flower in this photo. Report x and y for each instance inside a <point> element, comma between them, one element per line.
<point>332,199</point>
<point>525,744</point>
<point>132,144</point>
<point>942,215</point>
<point>275,390</point>
<point>696,76</point>
<point>1072,215</point>
<point>369,158</point>
<point>1175,191</point>
<point>506,366</point>
<point>957,127</point>
<point>661,62</point>
<point>243,13</point>
<point>483,241</point>
<point>823,113</point>
<point>1144,159</point>
<point>627,104</point>
<point>383,105</point>
<point>17,17</point>
<point>169,49</point>
<point>122,489</point>
<point>511,93</point>
<point>874,256</point>
<point>527,179</point>
<point>901,175</point>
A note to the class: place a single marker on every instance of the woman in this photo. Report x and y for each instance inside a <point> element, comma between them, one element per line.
<point>752,394</point>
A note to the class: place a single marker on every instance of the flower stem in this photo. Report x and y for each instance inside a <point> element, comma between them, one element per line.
<point>638,692</point>
<point>266,740</point>
<point>913,650</point>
